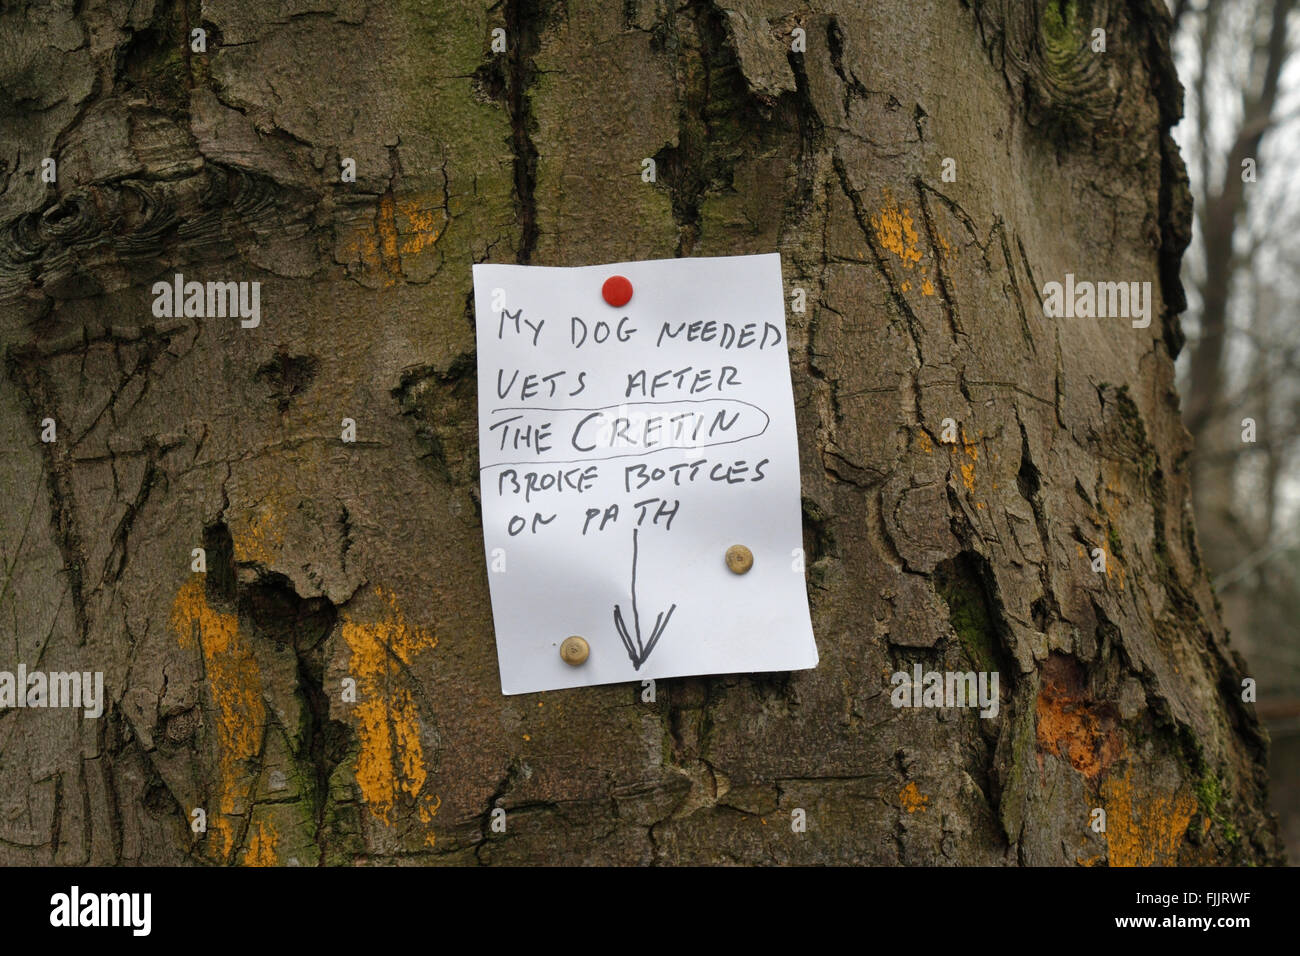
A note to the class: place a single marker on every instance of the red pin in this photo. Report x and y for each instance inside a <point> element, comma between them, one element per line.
<point>617,291</point>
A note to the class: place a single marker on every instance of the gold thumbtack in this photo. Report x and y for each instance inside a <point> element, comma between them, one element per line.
<point>574,650</point>
<point>739,558</point>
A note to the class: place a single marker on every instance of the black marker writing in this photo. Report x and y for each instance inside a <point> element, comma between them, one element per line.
<point>532,482</point>
<point>600,331</point>
<point>636,477</point>
<point>663,511</point>
<point>518,523</point>
<point>728,335</point>
<point>621,431</point>
<point>632,643</point>
<point>668,379</point>
<point>529,436</point>
<point>626,430</point>
<point>515,317</point>
<point>533,385</point>
<point>610,514</point>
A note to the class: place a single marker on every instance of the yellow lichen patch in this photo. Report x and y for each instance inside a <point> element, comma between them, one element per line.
<point>262,844</point>
<point>906,287</point>
<point>927,287</point>
<point>1144,827</point>
<point>896,232</point>
<point>927,445</point>
<point>391,761</point>
<point>912,799</point>
<point>235,686</point>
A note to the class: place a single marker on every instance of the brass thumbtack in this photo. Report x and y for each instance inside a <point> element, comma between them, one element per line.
<point>739,558</point>
<point>574,650</point>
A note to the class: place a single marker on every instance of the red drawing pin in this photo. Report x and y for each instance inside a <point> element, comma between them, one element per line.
<point>617,291</point>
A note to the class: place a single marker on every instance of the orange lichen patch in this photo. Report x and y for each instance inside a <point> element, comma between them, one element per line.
<point>422,231</point>
<point>971,450</point>
<point>906,287</point>
<point>426,811</point>
<point>260,537</point>
<point>391,762</point>
<point>1116,502</point>
<point>235,685</point>
<point>1091,860</point>
<point>896,232</point>
<point>911,799</point>
<point>380,244</point>
<point>968,477</point>
<point>1113,566</point>
<point>1144,828</point>
<point>1113,499</point>
<point>262,844</point>
<point>1114,569</point>
<point>1071,725</point>
<point>944,250</point>
<point>927,287</point>
<point>386,229</point>
<point>923,438</point>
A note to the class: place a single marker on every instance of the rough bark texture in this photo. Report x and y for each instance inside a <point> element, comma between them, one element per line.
<point>330,560</point>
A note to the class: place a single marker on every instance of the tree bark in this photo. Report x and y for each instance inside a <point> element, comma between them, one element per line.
<point>330,561</point>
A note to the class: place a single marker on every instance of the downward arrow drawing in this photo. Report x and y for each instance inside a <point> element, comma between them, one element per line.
<point>636,649</point>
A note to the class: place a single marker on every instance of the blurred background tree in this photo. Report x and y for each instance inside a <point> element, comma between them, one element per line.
<point>1241,140</point>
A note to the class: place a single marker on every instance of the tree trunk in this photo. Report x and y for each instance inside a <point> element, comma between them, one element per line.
<point>330,562</point>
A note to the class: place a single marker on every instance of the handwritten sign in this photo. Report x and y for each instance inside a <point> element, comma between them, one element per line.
<point>624,449</point>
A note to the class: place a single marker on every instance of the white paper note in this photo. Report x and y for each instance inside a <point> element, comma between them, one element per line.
<point>623,450</point>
